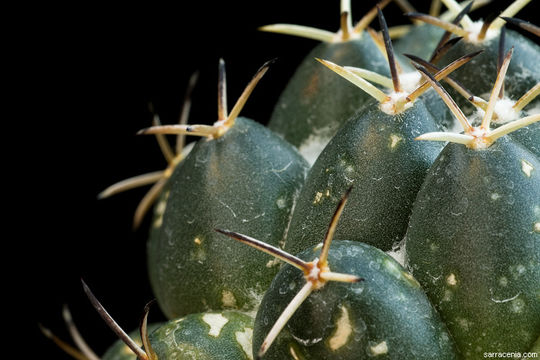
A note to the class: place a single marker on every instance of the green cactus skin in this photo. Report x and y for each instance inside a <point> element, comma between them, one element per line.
<point>473,243</point>
<point>247,179</point>
<point>223,335</point>
<point>120,351</point>
<point>442,116</point>
<point>386,316</point>
<point>377,153</point>
<point>480,74</point>
<point>529,137</point>
<point>316,102</point>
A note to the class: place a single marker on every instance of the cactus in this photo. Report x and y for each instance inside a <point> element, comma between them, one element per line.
<point>370,307</point>
<point>374,150</point>
<point>191,269</point>
<point>459,219</point>
<point>485,35</point>
<point>472,238</point>
<point>315,103</point>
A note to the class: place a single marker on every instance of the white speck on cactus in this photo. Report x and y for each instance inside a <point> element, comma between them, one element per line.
<point>216,323</point>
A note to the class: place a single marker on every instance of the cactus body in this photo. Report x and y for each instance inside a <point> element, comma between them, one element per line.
<point>248,178</point>
<point>377,153</point>
<point>316,102</point>
<point>473,244</point>
<point>386,315</point>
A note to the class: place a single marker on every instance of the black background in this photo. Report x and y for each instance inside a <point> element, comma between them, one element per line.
<point>84,76</point>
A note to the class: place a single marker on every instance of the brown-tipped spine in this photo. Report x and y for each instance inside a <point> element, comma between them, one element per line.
<point>363,23</point>
<point>448,26</point>
<point>113,325</point>
<point>500,56</point>
<point>333,225</point>
<point>239,105</point>
<point>389,50</point>
<point>467,94</point>
<point>443,49</point>
<point>143,329</point>
<point>266,248</point>
<point>525,25</point>
<point>454,108</point>
<point>446,36</point>
<point>443,73</point>
<point>222,91</point>
<point>485,26</point>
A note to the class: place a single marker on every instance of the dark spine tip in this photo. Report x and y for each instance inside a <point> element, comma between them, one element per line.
<point>413,57</point>
<point>465,11</point>
<point>514,21</point>
<point>424,71</point>
<point>487,22</point>
<point>443,47</point>
<point>389,50</point>
<point>475,53</point>
<point>413,15</point>
<point>454,41</point>
<point>221,231</point>
<point>444,38</point>
<point>347,192</point>
<point>502,43</point>
<point>490,17</point>
<point>149,305</point>
<point>269,63</point>
<point>420,61</point>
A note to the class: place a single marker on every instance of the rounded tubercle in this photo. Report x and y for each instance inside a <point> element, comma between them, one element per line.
<point>316,273</point>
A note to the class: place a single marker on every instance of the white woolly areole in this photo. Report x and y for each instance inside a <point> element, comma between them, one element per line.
<point>409,81</point>
<point>474,30</point>
<point>389,106</point>
<point>478,132</point>
<point>503,112</point>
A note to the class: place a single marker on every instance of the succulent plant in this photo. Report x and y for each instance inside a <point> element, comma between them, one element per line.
<point>472,240</point>
<point>315,103</point>
<point>484,35</point>
<point>191,269</point>
<point>436,253</point>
